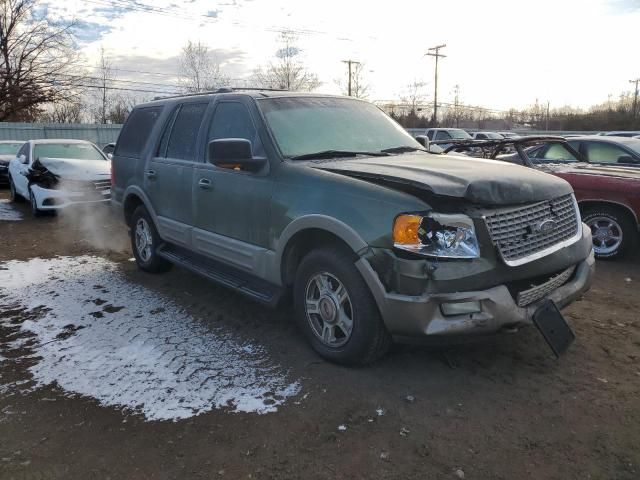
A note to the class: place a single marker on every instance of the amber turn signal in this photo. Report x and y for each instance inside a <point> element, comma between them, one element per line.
<point>405,230</point>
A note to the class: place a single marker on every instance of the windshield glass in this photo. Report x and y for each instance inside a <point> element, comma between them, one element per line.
<point>494,136</point>
<point>75,151</point>
<point>306,125</point>
<point>459,134</point>
<point>634,145</point>
<point>9,148</point>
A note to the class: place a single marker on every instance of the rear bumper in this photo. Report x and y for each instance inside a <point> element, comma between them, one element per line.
<point>48,199</point>
<point>418,316</point>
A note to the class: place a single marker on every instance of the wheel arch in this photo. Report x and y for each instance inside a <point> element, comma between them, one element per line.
<point>132,198</point>
<point>308,233</point>
<point>589,204</point>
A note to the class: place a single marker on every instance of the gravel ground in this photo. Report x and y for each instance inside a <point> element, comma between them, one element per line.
<point>109,372</point>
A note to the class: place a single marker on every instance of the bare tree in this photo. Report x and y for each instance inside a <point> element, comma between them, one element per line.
<point>36,57</point>
<point>200,71</point>
<point>287,72</point>
<point>64,111</point>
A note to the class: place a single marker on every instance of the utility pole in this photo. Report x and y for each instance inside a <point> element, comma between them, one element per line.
<point>635,98</point>
<point>456,104</point>
<point>547,122</point>
<point>349,63</point>
<point>435,52</point>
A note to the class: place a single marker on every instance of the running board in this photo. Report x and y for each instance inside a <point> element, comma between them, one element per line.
<point>242,282</point>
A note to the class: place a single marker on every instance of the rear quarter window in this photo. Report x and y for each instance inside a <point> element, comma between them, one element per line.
<point>136,131</point>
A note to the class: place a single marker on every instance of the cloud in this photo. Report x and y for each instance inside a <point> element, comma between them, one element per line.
<point>87,32</point>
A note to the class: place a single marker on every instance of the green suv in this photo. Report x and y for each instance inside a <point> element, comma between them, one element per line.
<point>330,200</point>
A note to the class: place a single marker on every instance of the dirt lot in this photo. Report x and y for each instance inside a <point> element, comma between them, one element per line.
<point>503,408</point>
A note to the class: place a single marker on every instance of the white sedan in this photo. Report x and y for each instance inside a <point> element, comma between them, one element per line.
<point>53,174</point>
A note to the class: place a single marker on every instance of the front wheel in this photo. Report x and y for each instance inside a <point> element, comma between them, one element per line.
<point>613,232</point>
<point>336,310</point>
<point>35,211</point>
<point>145,241</point>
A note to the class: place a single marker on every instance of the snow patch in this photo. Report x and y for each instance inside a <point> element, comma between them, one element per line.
<point>8,212</point>
<point>94,333</point>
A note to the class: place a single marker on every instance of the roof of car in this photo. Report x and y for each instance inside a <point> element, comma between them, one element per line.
<point>255,93</point>
<point>58,140</point>
<point>629,141</point>
<point>12,141</point>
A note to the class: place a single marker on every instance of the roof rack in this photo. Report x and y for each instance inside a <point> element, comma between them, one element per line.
<point>223,90</point>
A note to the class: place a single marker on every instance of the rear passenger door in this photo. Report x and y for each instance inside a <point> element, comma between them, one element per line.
<point>232,206</point>
<point>169,174</point>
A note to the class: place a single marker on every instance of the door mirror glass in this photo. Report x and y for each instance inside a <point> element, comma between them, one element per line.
<point>423,140</point>
<point>22,159</point>
<point>234,153</point>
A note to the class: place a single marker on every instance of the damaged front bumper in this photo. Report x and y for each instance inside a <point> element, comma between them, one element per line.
<point>481,311</point>
<point>55,199</point>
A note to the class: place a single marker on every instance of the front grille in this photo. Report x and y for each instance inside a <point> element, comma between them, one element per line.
<point>527,297</point>
<point>525,231</point>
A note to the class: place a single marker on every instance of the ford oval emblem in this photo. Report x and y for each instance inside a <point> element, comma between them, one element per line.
<point>546,225</point>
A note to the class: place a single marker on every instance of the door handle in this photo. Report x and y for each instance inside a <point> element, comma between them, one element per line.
<point>205,184</point>
<point>151,174</point>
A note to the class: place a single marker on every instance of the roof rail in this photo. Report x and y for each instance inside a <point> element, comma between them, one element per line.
<point>223,90</point>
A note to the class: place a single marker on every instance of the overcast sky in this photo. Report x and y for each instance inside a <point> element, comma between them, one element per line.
<point>501,53</point>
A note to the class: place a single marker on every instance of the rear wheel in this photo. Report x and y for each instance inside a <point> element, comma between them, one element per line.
<point>335,309</point>
<point>145,241</point>
<point>612,230</point>
<point>14,196</point>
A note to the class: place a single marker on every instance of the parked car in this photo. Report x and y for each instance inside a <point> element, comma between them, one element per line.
<point>486,136</point>
<point>8,150</point>
<point>109,148</point>
<point>510,134</point>
<point>53,174</point>
<point>330,199</point>
<point>593,149</point>
<point>608,194</point>
<point>436,134</point>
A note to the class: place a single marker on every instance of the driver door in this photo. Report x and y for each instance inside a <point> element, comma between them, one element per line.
<point>19,167</point>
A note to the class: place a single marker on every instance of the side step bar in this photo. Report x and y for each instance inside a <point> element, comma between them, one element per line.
<point>242,282</point>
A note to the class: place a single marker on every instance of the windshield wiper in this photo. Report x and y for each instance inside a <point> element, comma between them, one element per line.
<point>402,149</point>
<point>337,154</point>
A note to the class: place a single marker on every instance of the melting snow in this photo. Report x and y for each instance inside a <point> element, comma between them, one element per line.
<point>7,212</point>
<point>99,335</point>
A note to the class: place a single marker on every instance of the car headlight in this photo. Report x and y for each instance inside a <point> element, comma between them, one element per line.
<point>436,235</point>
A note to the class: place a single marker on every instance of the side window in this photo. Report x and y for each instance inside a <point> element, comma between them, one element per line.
<point>442,135</point>
<point>599,152</point>
<point>24,150</point>
<point>556,152</point>
<point>164,141</point>
<point>481,136</point>
<point>430,134</point>
<point>232,120</point>
<point>184,132</point>
<point>136,131</point>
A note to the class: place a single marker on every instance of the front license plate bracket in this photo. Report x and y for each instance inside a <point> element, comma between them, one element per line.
<point>553,327</point>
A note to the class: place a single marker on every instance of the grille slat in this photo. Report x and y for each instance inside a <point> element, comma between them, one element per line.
<point>527,297</point>
<point>516,232</point>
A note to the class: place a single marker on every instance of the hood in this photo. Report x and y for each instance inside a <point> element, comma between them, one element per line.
<point>614,171</point>
<point>72,169</point>
<point>482,182</point>
<point>5,159</point>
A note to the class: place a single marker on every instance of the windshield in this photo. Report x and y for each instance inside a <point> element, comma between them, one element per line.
<point>459,134</point>
<point>9,148</point>
<point>494,136</point>
<point>75,151</point>
<point>633,144</point>
<point>306,125</point>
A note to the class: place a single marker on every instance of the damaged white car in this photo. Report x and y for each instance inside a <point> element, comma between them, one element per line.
<point>54,174</point>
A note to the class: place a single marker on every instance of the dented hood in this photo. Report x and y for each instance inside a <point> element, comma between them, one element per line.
<point>484,182</point>
<point>72,169</point>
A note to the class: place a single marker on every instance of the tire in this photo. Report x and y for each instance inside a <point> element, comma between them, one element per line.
<point>614,233</point>
<point>368,338</point>
<point>35,211</point>
<point>14,196</point>
<point>144,242</point>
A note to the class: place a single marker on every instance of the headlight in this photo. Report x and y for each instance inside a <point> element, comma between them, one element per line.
<point>436,235</point>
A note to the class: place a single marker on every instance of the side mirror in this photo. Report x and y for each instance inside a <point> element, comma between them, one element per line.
<point>423,140</point>
<point>110,156</point>
<point>22,159</point>
<point>234,153</point>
